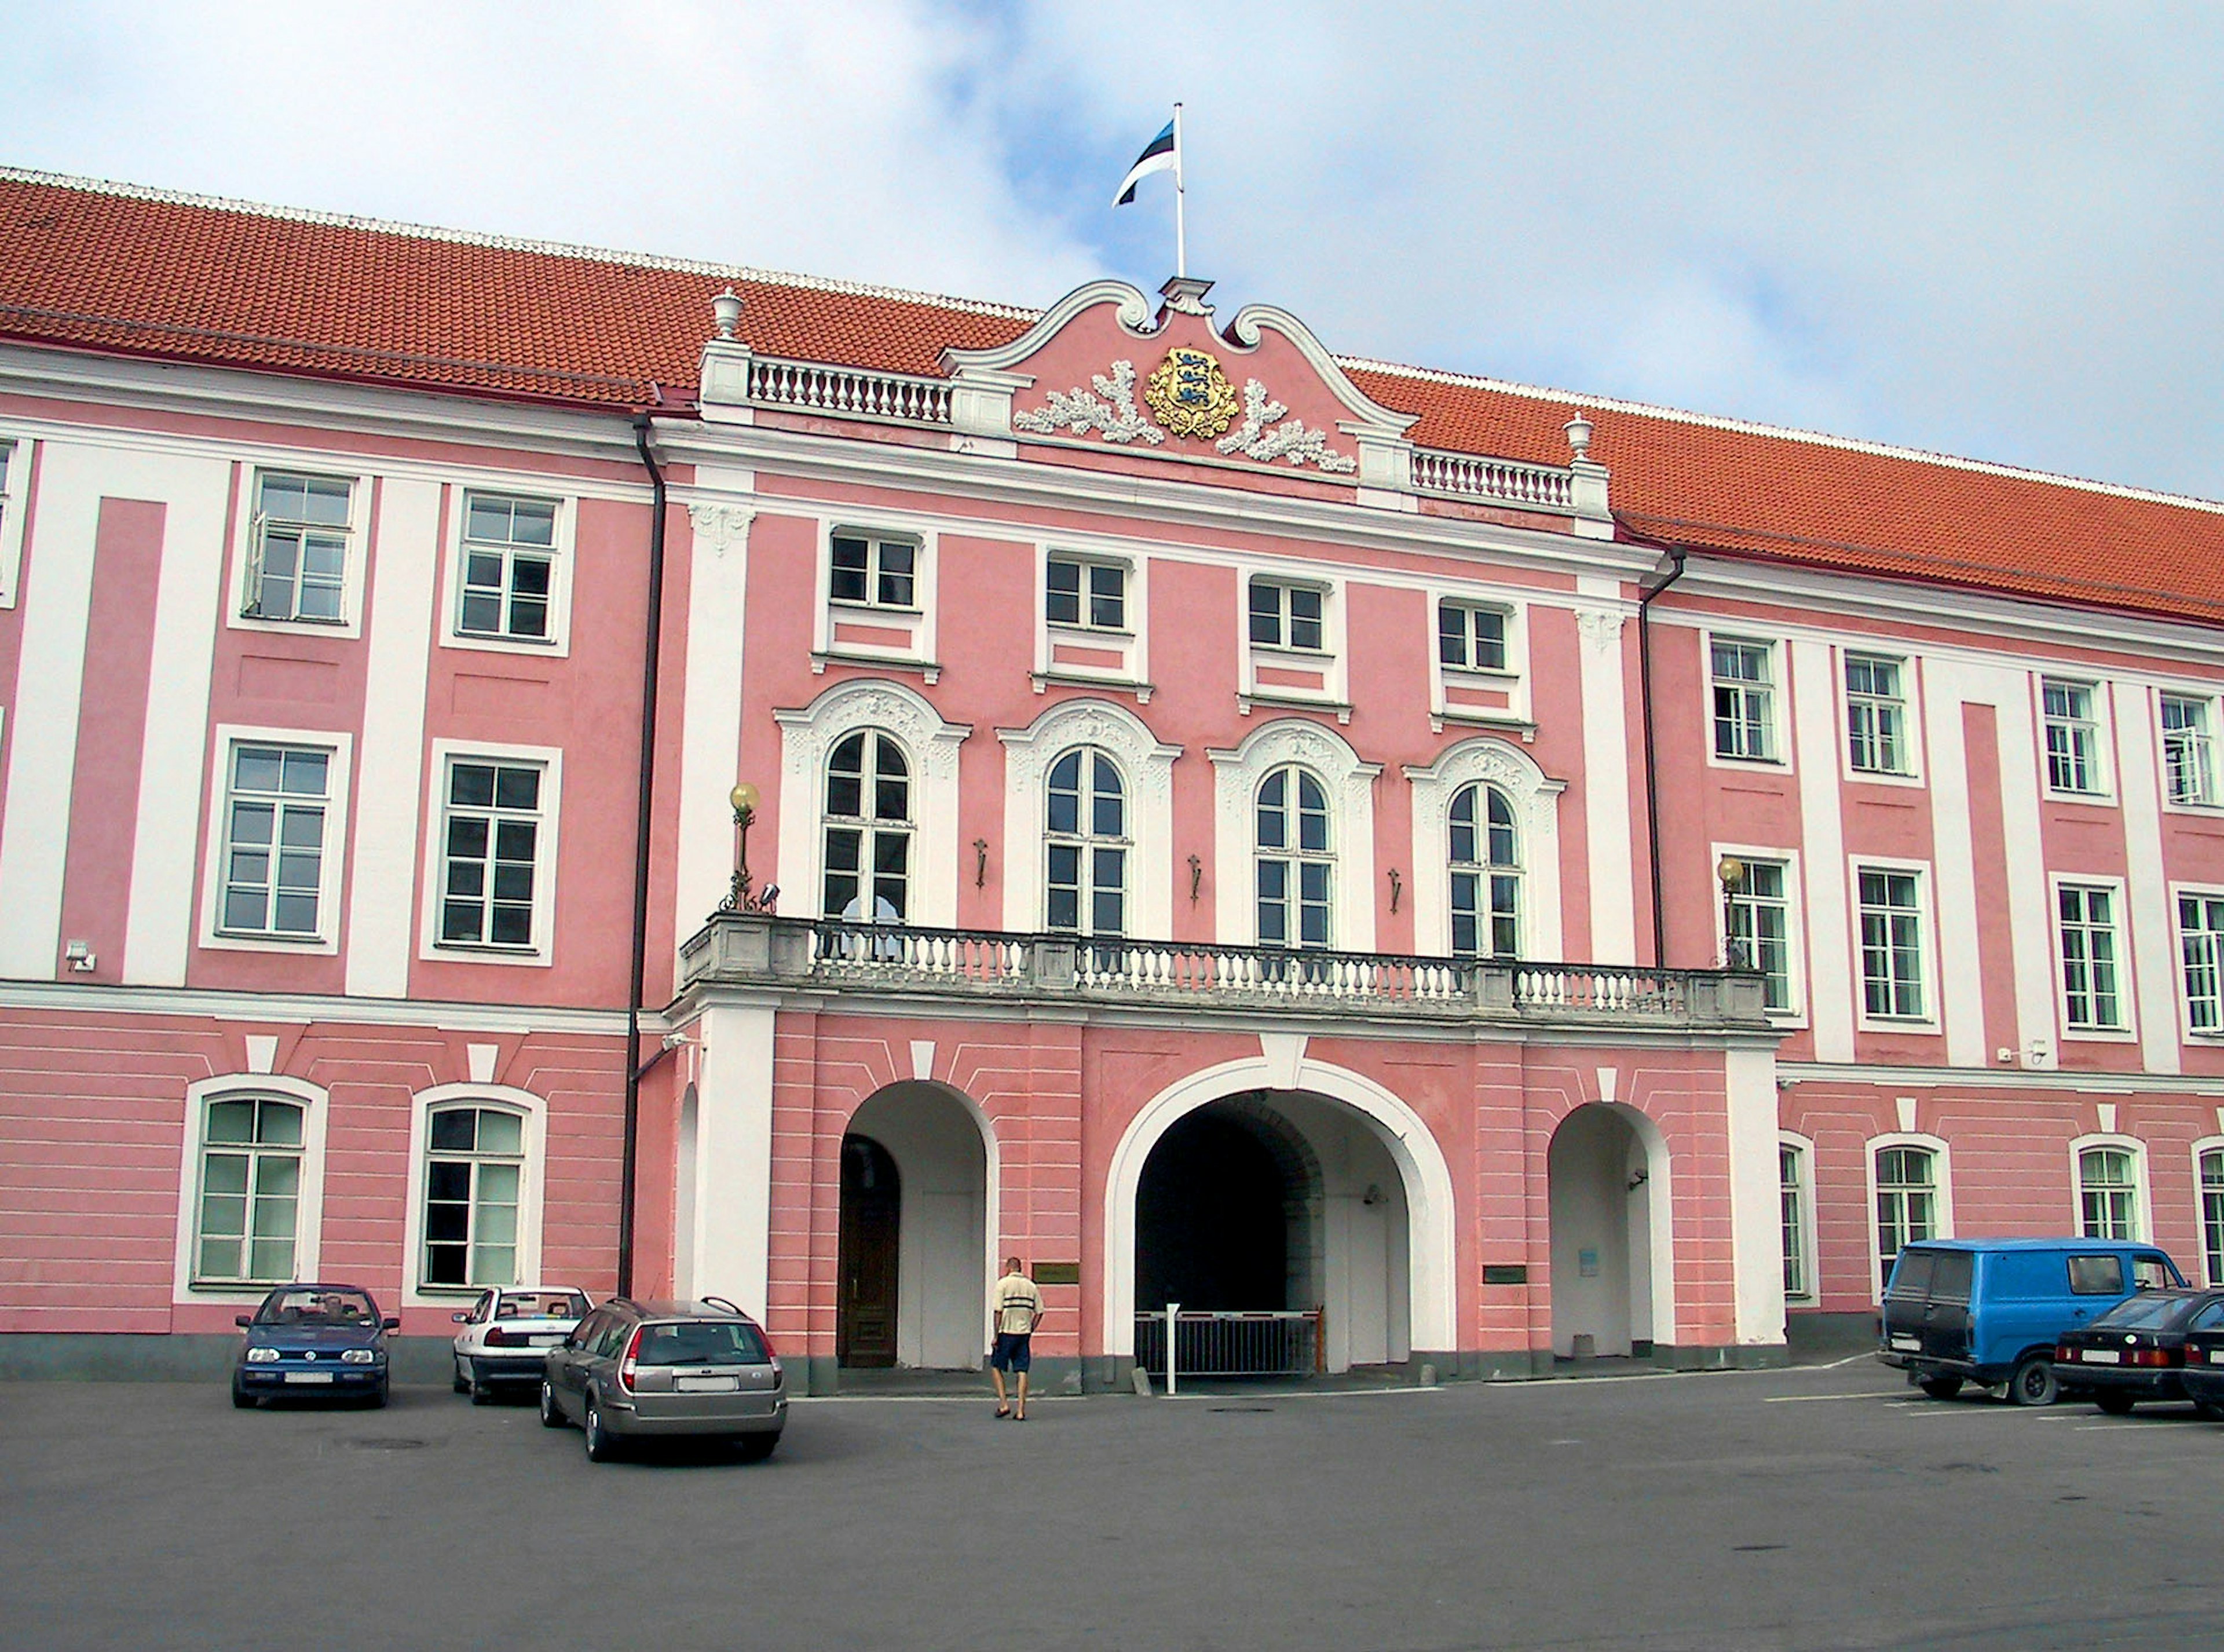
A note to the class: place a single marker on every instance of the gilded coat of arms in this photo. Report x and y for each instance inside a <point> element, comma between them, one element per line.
<point>1189,395</point>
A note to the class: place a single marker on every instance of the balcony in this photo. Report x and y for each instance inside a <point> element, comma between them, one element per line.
<point>840,958</point>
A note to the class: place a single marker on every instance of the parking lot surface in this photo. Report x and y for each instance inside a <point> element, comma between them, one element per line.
<point>1821,1507</point>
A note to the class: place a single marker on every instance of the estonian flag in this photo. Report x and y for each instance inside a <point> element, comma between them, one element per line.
<point>1159,155</point>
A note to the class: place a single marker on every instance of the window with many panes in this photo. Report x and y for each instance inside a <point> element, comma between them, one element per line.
<point>1470,637</point>
<point>1296,867</point>
<point>2087,927</point>
<point>1089,596</point>
<point>298,548</point>
<point>1085,845</point>
<point>276,800</point>
<point>2188,766</point>
<point>1791,1199</point>
<point>2212,1213</point>
<point>868,830</point>
<point>1745,698</point>
<point>508,568</point>
<point>874,570</point>
<point>2201,954</point>
<point>491,836</point>
<point>474,1181</point>
<point>1486,872</point>
<point>1907,1200</point>
<point>246,1228</point>
<point>1892,943</point>
<point>7,502</point>
<point>1876,716</point>
<point>1285,615</point>
<point>2073,737</point>
<point>2107,1193</point>
<point>1757,908</point>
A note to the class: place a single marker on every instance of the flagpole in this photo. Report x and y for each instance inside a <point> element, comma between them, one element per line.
<point>1181,230</point>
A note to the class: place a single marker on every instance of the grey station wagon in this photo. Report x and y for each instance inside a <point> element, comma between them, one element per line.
<point>654,1370</point>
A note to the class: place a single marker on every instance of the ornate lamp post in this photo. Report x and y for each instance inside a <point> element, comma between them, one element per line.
<point>745,797</point>
<point>1730,872</point>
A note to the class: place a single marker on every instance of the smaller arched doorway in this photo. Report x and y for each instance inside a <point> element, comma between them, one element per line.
<point>913,1269</point>
<point>1601,1172</point>
<point>867,1266</point>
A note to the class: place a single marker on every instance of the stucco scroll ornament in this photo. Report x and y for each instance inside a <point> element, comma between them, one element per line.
<point>1189,395</point>
<point>1295,440</point>
<point>1112,409</point>
<point>721,527</point>
<point>1599,627</point>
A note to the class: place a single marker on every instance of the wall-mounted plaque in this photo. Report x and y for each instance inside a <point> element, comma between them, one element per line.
<point>1058,1273</point>
<point>1505,1273</point>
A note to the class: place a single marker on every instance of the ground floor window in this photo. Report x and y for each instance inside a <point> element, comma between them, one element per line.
<point>474,1173</point>
<point>2212,1212</point>
<point>1907,1200</point>
<point>2107,1193</point>
<point>1791,1178</point>
<point>251,1191</point>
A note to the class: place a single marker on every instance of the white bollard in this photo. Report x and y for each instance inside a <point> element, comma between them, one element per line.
<point>1173,1318</point>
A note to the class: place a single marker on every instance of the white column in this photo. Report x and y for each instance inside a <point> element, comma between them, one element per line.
<point>1756,1211</point>
<point>733,1153</point>
<point>1606,777</point>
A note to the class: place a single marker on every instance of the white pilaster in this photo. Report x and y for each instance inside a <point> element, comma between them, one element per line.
<point>1953,871</point>
<point>2152,941</point>
<point>2031,907</point>
<point>1756,1211</point>
<point>1829,939</point>
<point>732,1201</point>
<point>1612,867</point>
<point>711,737</point>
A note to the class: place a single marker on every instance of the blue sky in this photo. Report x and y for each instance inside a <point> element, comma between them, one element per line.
<point>1989,230</point>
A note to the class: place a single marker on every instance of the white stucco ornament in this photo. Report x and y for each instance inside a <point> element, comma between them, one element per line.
<point>1112,409</point>
<point>1294,441</point>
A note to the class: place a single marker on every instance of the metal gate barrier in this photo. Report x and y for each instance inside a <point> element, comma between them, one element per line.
<point>1223,1344</point>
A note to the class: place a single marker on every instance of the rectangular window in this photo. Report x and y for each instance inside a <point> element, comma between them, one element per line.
<point>1092,595</point>
<point>1745,699</point>
<point>2088,957</point>
<point>874,570</point>
<point>2073,738</point>
<point>1287,615</point>
<point>1792,1182</point>
<point>1759,911</point>
<point>2189,770</point>
<point>490,846</point>
<point>1876,716</point>
<point>1892,944</point>
<point>2107,1193</point>
<point>1907,1200</point>
<point>251,1191</point>
<point>276,804</point>
<point>298,548</point>
<point>473,1173</point>
<point>2201,948</point>
<point>1470,638</point>
<point>508,568</point>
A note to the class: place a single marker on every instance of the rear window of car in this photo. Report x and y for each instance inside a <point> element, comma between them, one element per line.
<point>699,1342</point>
<point>1911,1278</point>
<point>2096,1275</point>
<point>1949,1279</point>
<point>541,1305</point>
<point>2148,1313</point>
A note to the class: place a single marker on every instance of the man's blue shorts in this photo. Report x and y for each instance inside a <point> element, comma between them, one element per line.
<point>1011,1352</point>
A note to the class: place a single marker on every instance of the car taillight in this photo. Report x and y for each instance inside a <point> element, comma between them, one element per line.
<point>2153,1356</point>
<point>497,1337</point>
<point>2065,1355</point>
<point>628,1365</point>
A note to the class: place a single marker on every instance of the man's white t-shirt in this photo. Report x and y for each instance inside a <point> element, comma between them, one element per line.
<point>1019,1305</point>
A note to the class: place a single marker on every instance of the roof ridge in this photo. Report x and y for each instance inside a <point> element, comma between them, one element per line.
<point>514,243</point>
<point>1788,433</point>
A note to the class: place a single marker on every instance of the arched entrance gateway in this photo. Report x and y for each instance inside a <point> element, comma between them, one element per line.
<point>912,1267</point>
<point>1607,1171</point>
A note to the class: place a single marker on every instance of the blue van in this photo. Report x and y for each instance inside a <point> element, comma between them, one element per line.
<point>1988,1311</point>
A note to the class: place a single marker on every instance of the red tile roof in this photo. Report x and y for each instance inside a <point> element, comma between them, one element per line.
<point>145,272</point>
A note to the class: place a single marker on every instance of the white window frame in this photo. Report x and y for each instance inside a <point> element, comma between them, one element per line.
<point>416,1293</point>
<point>1536,799</point>
<point>1148,765</point>
<point>2195,892</point>
<point>2211,1275</point>
<point>246,558</point>
<point>2211,796</point>
<point>1910,773</point>
<point>876,747</point>
<point>1779,752</point>
<point>308,1210</point>
<point>915,651</point>
<point>2103,790</point>
<point>2142,1204</point>
<point>562,559</point>
<point>1328,660</point>
<point>1293,858</point>
<point>1131,673</point>
<point>1942,1156</point>
<point>340,748</point>
<point>1794,923</point>
<point>14,509</point>
<point>1512,679</point>
<point>1804,1224</point>
<point>1926,941</point>
<point>2124,1029</point>
<point>1087,568</point>
<point>541,953</point>
<point>1351,785</point>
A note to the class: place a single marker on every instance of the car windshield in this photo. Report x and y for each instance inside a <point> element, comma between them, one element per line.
<point>541,1305</point>
<point>2148,1313</point>
<point>717,1342</point>
<point>325,1306</point>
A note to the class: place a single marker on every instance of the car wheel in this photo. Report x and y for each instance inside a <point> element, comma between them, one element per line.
<point>757,1447</point>
<point>481,1391</point>
<point>551,1417</point>
<point>1940,1387</point>
<point>377,1401</point>
<point>602,1445</point>
<point>462,1375</point>
<point>2212,1409</point>
<point>2033,1382</point>
<point>2116,1405</point>
<point>241,1399</point>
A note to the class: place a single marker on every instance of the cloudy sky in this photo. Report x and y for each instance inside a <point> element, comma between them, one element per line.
<point>1989,230</point>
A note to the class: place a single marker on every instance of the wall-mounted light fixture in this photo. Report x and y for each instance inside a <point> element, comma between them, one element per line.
<point>744,798</point>
<point>980,862</point>
<point>1396,887</point>
<point>1638,1178</point>
<point>79,955</point>
<point>1196,876</point>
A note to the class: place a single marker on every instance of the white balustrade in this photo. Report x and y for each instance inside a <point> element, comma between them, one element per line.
<point>1502,480</point>
<point>849,392</point>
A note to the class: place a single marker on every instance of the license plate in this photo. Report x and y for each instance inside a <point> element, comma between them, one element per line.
<point>308,1377</point>
<point>2216,1356</point>
<point>705,1384</point>
<point>549,1341</point>
<point>1907,1344</point>
<point>2100,1356</point>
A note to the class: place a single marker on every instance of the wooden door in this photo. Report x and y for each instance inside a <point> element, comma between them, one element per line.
<point>872,1212</point>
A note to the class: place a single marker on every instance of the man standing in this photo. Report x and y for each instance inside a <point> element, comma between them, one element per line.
<point>1018,1306</point>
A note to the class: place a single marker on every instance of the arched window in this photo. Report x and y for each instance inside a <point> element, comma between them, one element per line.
<point>1907,1200</point>
<point>1085,831</point>
<point>474,1177</point>
<point>2212,1211</point>
<point>1486,868</point>
<point>1296,867</point>
<point>868,829</point>
<point>2107,1193</point>
<point>248,1224</point>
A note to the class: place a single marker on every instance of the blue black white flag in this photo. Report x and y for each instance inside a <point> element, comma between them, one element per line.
<point>1161,154</point>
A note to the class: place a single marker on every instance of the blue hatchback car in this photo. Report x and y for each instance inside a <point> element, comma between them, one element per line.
<point>312,1339</point>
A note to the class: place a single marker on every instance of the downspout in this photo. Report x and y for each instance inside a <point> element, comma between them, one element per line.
<point>651,647</point>
<point>1648,594</point>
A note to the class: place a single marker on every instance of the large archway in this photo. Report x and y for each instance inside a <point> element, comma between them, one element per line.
<point>915,1221</point>
<point>1607,1173</point>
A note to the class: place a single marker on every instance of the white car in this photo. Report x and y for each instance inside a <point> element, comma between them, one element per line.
<point>507,1335</point>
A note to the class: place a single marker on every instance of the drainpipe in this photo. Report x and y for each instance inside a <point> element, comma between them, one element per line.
<point>1648,594</point>
<point>651,645</point>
